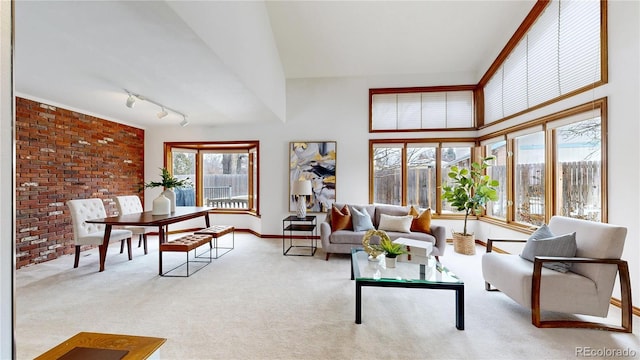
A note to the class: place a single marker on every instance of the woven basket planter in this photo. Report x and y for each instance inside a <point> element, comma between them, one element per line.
<point>464,244</point>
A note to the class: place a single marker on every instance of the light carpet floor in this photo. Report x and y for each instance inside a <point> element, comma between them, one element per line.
<point>255,303</point>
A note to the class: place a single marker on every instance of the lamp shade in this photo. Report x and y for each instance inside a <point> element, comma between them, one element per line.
<point>302,187</point>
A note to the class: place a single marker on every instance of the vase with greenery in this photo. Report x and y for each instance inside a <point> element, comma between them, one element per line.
<point>469,190</point>
<point>169,182</point>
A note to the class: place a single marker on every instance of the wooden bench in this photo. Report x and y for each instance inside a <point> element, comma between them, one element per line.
<point>216,232</point>
<point>185,244</point>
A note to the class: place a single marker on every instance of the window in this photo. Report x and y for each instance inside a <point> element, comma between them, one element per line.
<point>561,54</point>
<point>416,109</point>
<point>408,172</point>
<point>184,166</point>
<point>224,174</point>
<point>421,175</point>
<point>498,171</point>
<point>529,178</point>
<point>459,156</point>
<point>387,174</point>
<point>578,167</point>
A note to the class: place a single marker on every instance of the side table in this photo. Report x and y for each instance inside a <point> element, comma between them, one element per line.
<point>291,225</point>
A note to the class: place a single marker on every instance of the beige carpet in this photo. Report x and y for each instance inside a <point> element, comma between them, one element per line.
<point>254,303</point>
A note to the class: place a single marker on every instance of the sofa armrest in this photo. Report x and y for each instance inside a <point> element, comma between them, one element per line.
<point>325,232</point>
<point>491,241</point>
<point>440,233</point>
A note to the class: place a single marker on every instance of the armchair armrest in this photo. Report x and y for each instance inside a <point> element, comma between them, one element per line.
<point>625,292</point>
<point>491,241</point>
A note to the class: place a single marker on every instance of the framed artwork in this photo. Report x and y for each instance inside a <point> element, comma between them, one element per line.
<point>314,161</point>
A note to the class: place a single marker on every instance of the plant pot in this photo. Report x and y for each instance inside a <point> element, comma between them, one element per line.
<point>171,195</point>
<point>464,244</point>
<point>390,262</point>
<point>161,206</point>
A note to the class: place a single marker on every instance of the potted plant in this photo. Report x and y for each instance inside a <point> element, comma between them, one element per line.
<point>169,182</point>
<point>469,190</point>
<point>391,251</point>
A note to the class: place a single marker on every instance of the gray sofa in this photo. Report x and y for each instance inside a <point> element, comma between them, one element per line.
<point>341,241</point>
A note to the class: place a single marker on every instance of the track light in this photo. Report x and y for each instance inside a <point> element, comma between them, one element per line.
<point>162,113</point>
<point>131,101</point>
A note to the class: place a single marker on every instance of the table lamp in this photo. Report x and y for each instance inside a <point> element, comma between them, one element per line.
<point>302,188</point>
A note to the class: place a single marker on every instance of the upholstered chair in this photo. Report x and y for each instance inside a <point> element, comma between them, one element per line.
<point>130,204</point>
<point>586,288</point>
<point>92,234</point>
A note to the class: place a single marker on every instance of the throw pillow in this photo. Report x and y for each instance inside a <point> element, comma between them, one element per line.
<point>543,232</point>
<point>562,245</point>
<point>395,223</point>
<point>360,219</point>
<point>340,219</point>
<point>420,222</point>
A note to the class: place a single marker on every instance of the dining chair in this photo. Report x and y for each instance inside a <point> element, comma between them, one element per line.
<point>130,204</point>
<point>92,234</point>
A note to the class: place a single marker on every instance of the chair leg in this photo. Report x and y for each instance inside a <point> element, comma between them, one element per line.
<point>121,246</point>
<point>77,258</point>
<point>144,240</point>
<point>327,257</point>
<point>129,248</point>
<point>140,240</point>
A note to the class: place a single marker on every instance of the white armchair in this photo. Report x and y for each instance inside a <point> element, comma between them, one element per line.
<point>585,289</point>
<point>92,234</point>
<point>129,204</point>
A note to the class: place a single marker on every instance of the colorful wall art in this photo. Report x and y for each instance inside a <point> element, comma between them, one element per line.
<point>314,161</point>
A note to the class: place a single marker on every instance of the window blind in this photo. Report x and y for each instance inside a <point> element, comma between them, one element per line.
<point>560,53</point>
<point>422,110</point>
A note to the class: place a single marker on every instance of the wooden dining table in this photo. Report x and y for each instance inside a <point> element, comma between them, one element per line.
<point>146,218</point>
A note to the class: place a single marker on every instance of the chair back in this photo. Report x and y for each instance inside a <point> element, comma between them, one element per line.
<point>86,209</point>
<point>128,204</point>
<point>594,240</point>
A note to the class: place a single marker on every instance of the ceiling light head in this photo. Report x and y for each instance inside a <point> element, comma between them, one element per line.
<point>131,101</point>
<point>184,121</point>
<point>162,113</point>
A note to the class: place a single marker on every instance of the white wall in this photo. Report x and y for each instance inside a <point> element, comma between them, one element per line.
<point>337,110</point>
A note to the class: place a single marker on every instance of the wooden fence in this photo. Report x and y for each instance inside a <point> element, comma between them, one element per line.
<point>579,188</point>
<point>228,191</point>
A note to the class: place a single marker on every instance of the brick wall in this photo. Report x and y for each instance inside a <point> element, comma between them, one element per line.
<point>63,155</point>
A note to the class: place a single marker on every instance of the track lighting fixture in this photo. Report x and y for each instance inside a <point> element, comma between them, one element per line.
<point>164,111</point>
<point>131,101</point>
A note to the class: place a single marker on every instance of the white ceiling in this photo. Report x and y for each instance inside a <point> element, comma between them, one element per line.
<point>83,54</point>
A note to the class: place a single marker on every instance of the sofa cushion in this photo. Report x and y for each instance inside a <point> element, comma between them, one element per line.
<point>563,245</point>
<point>340,219</point>
<point>360,219</point>
<point>350,237</point>
<point>421,221</point>
<point>395,223</point>
<point>394,210</point>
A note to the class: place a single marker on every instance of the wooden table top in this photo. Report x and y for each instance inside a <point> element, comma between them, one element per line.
<point>148,219</point>
<point>138,347</point>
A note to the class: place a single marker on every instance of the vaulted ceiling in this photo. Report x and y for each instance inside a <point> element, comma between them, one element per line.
<point>222,62</point>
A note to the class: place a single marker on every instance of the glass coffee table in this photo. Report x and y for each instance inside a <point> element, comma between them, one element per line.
<point>406,275</point>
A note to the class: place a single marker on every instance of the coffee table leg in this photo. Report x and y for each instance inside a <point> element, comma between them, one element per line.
<point>358,303</point>
<point>460,308</point>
